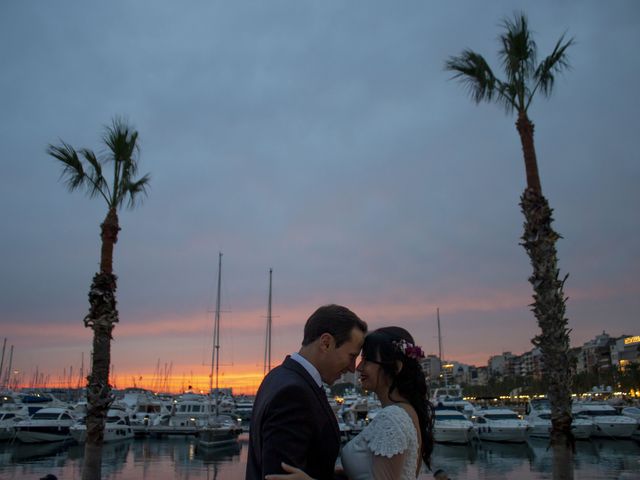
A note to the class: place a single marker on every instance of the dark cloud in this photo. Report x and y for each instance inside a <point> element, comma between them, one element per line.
<point>325,140</point>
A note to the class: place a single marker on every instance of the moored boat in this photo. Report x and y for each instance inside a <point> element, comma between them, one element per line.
<point>117,427</point>
<point>8,421</point>
<point>451,426</point>
<point>607,421</point>
<point>500,425</point>
<point>46,425</point>
<point>539,418</point>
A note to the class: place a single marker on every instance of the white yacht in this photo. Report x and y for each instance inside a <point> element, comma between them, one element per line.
<point>539,417</point>
<point>608,422</point>
<point>8,421</point>
<point>244,407</point>
<point>144,406</point>
<point>117,427</point>
<point>500,425</point>
<point>451,426</point>
<point>633,412</point>
<point>46,425</point>
<point>451,398</point>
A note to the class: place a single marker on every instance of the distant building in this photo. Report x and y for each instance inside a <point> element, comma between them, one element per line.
<point>595,355</point>
<point>502,365</point>
<point>625,350</point>
<point>531,363</point>
<point>431,367</point>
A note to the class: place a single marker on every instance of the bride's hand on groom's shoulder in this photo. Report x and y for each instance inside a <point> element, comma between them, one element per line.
<point>293,473</point>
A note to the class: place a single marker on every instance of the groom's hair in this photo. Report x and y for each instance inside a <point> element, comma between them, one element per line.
<point>336,320</point>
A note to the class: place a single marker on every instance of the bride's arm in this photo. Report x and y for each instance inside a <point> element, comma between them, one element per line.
<point>385,468</point>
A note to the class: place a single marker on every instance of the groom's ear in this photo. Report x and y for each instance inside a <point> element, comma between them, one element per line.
<point>326,340</point>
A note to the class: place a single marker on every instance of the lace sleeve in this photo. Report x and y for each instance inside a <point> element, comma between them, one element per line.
<point>388,433</point>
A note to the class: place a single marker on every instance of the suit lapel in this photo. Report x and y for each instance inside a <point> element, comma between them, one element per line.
<point>318,391</point>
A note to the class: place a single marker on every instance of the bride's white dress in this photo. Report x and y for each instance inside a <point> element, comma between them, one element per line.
<point>390,433</point>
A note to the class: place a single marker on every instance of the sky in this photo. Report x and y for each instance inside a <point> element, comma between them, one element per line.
<point>324,140</point>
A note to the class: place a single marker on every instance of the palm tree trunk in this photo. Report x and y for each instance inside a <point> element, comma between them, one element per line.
<point>525,129</point>
<point>101,318</point>
<point>109,235</point>
<point>539,240</point>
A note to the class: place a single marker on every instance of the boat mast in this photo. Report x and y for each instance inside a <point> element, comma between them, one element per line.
<point>267,342</point>
<point>7,381</point>
<point>440,346</point>
<point>215,353</point>
<point>4,345</point>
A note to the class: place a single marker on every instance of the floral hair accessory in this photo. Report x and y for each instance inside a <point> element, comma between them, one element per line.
<point>409,349</point>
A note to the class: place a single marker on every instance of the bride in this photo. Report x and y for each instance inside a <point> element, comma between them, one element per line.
<point>400,437</point>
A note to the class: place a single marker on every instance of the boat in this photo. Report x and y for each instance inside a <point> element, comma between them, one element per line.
<point>451,426</point>
<point>117,427</point>
<point>8,421</point>
<point>608,422</point>
<point>244,407</point>
<point>450,397</point>
<point>633,412</point>
<point>145,407</point>
<point>49,424</point>
<point>538,414</point>
<point>500,425</point>
<point>219,430</point>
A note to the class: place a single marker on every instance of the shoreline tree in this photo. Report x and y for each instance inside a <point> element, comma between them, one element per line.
<point>83,169</point>
<point>525,77</point>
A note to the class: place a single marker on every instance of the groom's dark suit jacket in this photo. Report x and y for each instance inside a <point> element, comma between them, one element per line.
<point>292,422</point>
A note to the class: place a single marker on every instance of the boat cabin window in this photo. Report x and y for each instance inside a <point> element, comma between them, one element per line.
<point>45,416</point>
<point>450,416</point>
<point>545,416</point>
<point>501,416</point>
<point>598,413</point>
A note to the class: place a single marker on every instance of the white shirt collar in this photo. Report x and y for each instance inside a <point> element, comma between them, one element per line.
<point>308,366</point>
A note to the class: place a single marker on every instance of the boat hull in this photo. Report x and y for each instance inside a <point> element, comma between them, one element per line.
<point>502,433</point>
<point>211,437</point>
<point>449,432</point>
<point>42,434</point>
<point>580,430</point>
<point>608,428</point>
<point>110,434</point>
<point>7,433</point>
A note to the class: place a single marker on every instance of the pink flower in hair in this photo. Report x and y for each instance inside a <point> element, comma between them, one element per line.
<point>409,349</point>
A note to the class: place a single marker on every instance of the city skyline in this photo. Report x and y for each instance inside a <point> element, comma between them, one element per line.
<point>324,141</point>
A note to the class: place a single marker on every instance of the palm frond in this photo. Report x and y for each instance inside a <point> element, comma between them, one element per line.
<point>519,51</point>
<point>98,182</point>
<point>556,62</point>
<point>121,141</point>
<point>473,71</point>
<point>135,190</point>
<point>72,170</point>
<point>507,96</point>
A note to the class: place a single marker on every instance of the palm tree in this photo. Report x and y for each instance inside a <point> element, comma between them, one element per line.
<point>82,169</point>
<point>524,79</point>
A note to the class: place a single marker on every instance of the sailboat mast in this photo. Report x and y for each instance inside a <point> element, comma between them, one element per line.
<point>216,333</point>
<point>267,344</point>
<point>439,337</point>
<point>440,347</point>
<point>4,345</point>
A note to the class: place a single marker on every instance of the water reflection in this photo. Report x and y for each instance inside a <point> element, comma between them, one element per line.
<point>181,458</point>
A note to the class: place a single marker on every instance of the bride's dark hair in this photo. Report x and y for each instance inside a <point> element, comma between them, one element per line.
<point>384,346</point>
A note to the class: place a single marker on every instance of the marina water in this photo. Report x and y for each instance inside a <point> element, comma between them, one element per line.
<point>180,458</point>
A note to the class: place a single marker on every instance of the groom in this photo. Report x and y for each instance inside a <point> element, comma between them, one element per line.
<point>292,421</point>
